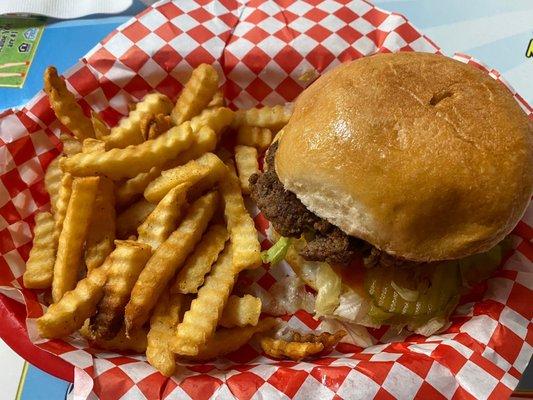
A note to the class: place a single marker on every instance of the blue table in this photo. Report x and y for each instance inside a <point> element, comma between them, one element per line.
<point>494,31</point>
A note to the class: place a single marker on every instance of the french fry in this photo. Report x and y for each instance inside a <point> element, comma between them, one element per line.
<point>100,127</point>
<point>73,234</point>
<point>154,125</point>
<point>205,171</point>
<point>129,190</point>
<point>65,106</point>
<point>199,263</point>
<point>196,94</point>
<point>124,266</point>
<point>215,118</point>
<point>260,138</point>
<point>101,233</point>
<point>90,145</point>
<point>135,342</point>
<point>205,141</point>
<point>278,348</point>
<point>217,100</point>
<point>131,161</point>
<point>167,259</point>
<point>162,328</point>
<point>40,264</point>
<point>274,118</point>
<point>301,346</point>
<point>71,145</point>
<point>63,198</point>
<point>247,165</point>
<point>329,340</point>
<point>241,311</point>
<point>128,131</point>
<point>131,218</point>
<point>246,246</point>
<point>68,314</point>
<point>52,182</point>
<point>200,322</point>
<point>226,341</point>
<point>158,226</point>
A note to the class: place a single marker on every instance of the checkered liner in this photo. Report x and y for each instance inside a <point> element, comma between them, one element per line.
<point>261,48</point>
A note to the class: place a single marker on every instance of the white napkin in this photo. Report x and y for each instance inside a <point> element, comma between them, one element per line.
<point>64,9</point>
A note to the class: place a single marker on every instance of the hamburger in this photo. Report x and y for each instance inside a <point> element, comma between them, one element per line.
<point>394,185</point>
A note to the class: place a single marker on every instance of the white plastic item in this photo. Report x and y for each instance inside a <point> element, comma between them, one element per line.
<point>64,9</point>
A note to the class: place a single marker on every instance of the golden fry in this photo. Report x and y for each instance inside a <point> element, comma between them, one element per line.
<point>241,311</point>
<point>154,125</point>
<point>205,141</point>
<point>329,340</point>
<point>260,138</point>
<point>101,233</point>
<point>296,351</point>
<point>158,226</point>
<point>196,94</point>
<point>204,171</point>
<point>128,131</point>
<point>65,106</point>
<point>40,264</point>
<point>199,263</point>
<point>131,161</point>
<point>124,266</point>
<point>73,234</point>
<point>135,186</point>
<point>200,322</point>
<point>247,165</point>
<point>246,249</point>
<point>100,127</point>
<point>217,100</point>
<point>135,342</point>
<point>132,217</point>
<point>168,258</point>
<point>68,315</point>
<point>215,118</point>
<point>52,182</point>
<point>301,346</point>
<point>90,145</point>
<point>63,198</point>
<point>226,341</point>
<point>162,328</point>
<point>71,145</point>
<point>274,118</point>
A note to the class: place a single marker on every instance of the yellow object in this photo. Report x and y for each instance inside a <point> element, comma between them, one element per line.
<point>247,165</point>
<point>132,217</point>
<point>199,263</point>
<point>52,182</point>
<point>127,191</point>
<point>65,107</point>
<point>200,322</point>
<point>241,311</point>
<point>246,246</point>
<point>40,264</point>
<point>124,266</point>
<point>204,171</point>
<point>260,138</point>
<point>90,145</point>
<point>71,145</point>
<point>73,234</point>
<point>167,259</point>
<point>128,131</point>
<point>196,94</point>
<point>274,118</point>
<point>131,161</point>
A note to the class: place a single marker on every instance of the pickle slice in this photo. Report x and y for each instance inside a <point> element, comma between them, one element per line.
<point>412,293</point>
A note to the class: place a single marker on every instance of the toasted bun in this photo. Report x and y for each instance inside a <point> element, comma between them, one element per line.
<point>422,156</point>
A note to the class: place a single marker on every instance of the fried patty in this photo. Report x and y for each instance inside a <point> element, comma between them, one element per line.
<point>291,218</point>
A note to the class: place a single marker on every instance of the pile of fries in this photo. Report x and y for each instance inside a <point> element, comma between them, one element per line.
<point>148,231</point>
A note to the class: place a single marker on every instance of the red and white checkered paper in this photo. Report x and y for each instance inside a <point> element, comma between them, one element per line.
<point>261,48</point>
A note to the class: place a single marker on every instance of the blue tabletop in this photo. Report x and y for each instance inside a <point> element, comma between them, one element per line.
<point>494,31</point>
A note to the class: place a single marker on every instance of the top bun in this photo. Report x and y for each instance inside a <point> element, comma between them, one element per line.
<point>424,157</point>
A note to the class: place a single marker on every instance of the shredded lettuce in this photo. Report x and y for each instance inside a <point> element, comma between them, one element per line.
<point>277,252</point>
<point>329,286</point>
